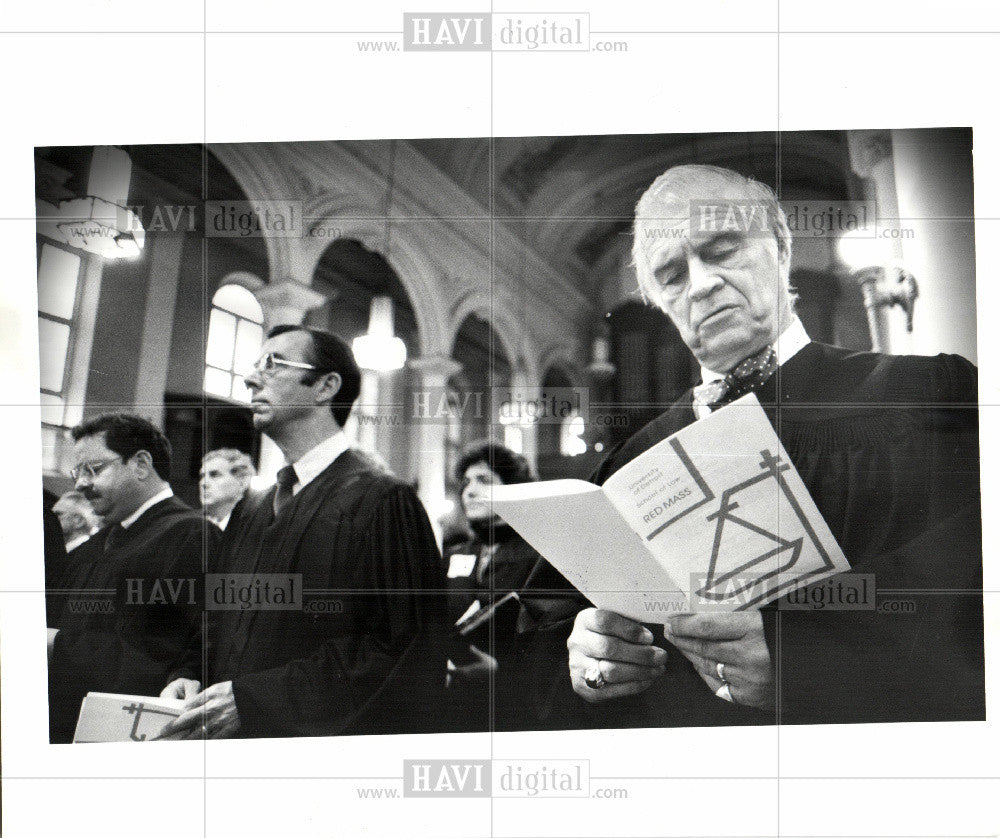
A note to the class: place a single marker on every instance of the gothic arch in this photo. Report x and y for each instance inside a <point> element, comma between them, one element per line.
<point>405,256</point>
<point>504,325</point>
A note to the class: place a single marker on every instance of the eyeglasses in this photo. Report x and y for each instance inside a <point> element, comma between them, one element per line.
<point>92,469</point>
<point>269,363</point>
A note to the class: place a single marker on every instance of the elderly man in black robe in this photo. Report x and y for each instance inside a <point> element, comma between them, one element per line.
<point>371,659</point>
<point>887,447</point>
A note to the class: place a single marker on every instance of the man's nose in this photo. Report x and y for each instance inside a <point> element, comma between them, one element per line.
<point>252,379</point>
<point>703,279</point>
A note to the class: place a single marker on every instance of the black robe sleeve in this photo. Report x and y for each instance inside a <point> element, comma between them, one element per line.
<point>901,489</point>
<point>388,669</point>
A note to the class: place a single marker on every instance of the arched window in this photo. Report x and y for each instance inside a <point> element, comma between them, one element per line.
<point>61,273</point>
<point>235,335</point>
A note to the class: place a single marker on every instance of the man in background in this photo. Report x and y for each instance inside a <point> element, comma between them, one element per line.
<point>140,621</point>
<point>76,518</point>
<point>223,482</point>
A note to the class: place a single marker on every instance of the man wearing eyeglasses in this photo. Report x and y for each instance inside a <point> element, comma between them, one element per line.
<point>138,622</point>
<point>362,653</point>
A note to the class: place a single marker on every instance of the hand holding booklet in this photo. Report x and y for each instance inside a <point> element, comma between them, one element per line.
<point>715,517</point>
<point>109,717</point>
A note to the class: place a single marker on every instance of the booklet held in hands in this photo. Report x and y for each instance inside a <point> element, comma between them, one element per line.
<point>110,717</point>
<point>713,518</point>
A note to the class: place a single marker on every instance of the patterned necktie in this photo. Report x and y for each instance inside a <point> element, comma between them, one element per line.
<point>286,480</point>
<point>748,375</point>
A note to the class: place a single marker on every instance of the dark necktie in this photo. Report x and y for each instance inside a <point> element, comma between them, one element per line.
<point>748,375</point>
<point>286,480</point>
<point>113,537</point>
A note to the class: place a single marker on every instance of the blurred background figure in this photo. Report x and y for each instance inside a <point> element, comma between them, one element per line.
<point>223,482</point>
<point>77,519</point>
<point>485,573</point>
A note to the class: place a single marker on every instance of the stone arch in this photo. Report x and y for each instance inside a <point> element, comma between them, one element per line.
<point>405,256</point>
<point>245,279</point>
<point>259,175</point>
<point>561,357</point>
<point>506,327</point>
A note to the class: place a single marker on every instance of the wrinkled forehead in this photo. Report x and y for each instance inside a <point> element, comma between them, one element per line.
<point>674,214</point>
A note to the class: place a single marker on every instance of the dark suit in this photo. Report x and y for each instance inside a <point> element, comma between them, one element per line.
<point>130,615</point>
<point>888,448</point>
<point>365,654</point>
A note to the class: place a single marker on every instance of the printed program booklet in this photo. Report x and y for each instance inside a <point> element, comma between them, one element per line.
<point>714,517</point>
<point>108,717</point>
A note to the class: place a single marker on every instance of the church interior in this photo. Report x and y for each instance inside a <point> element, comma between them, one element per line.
<point>470,275</point>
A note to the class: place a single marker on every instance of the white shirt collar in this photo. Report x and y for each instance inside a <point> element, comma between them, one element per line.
<point>76,541</point>
<point>788,344</point>
<point>311,464</point>
<point>159,496</point>
<point>221,523</point>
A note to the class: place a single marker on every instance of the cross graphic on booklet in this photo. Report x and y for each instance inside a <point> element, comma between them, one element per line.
<point>778,560</point>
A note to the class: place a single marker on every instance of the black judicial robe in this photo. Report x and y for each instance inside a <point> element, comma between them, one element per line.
<point>888,448</point>
<point>56,558</point>
<point>366,652</point>
<point>129,618</point>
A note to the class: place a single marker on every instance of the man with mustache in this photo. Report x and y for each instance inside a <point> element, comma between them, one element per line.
<point>886,445</point>
<point>139,625</point>
<point>364,652</point>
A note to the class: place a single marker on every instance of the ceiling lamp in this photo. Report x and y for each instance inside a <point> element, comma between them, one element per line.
<point>101,222</point>
<point>380,350</point>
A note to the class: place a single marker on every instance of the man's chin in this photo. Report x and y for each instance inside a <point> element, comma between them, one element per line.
<point>722,354</point>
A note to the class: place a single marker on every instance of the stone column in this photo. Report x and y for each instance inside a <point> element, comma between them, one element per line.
<point>154,349</point>
<point>429,427</point>
<point>287,302</point>
<point>526,393</point>
<point>871,158</point>
<point>933,181</point>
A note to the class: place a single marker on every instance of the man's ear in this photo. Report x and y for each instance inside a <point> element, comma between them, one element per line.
<point>784,252</point>
<point>329,386</point>
<point>143,461</point>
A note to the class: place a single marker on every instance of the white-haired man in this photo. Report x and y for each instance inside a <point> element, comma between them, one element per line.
<point>886,445</point>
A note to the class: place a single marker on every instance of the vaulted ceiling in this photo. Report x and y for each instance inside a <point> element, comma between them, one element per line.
<point>572,198</point>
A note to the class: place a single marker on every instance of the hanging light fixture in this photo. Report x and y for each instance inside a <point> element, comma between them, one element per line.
<point>101,222</point>
<point>380,350</point>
